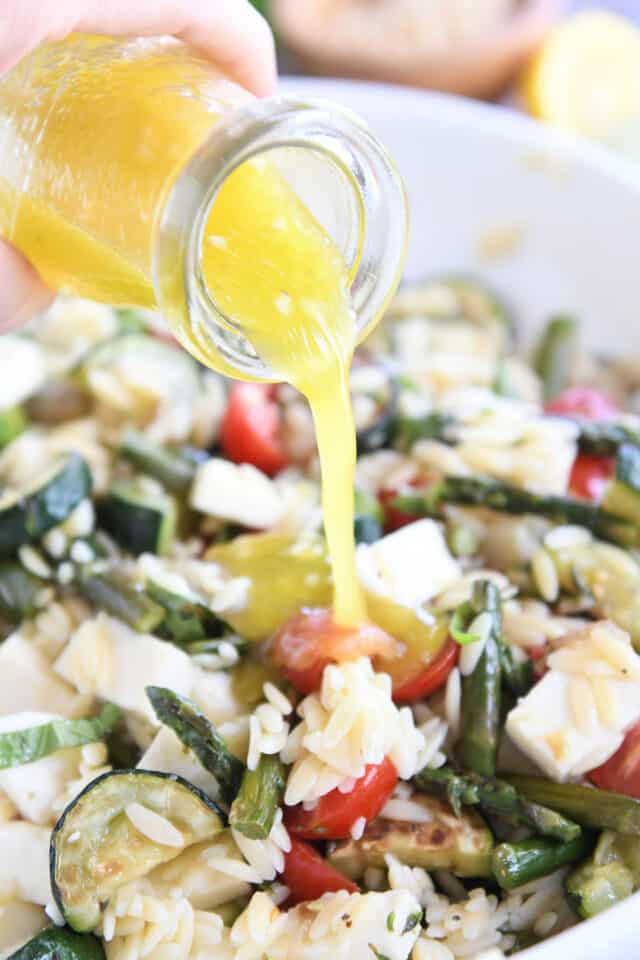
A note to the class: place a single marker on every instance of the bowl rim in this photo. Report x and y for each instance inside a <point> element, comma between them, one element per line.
<point>503,122</point>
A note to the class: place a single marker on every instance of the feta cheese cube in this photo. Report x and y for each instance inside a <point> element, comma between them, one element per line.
<point>409,566</point>
<point>27,681</point>
<point>213,692</point>
<point>108,659</point>
<point>576,716</point>
<point>24,864</point>
<point>239,493</point>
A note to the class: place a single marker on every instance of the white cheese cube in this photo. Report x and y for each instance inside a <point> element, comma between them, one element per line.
<point>409,566</point>
<point>24,864</point>
<point>194,872</point>
<point>213,692</point>
<point>543,725</point>
<point>27,681</point>
<point>19,922</point>
<point>167,755</point>
<point>110,660</point>
<point>34,787</point>
<point>239,493</point>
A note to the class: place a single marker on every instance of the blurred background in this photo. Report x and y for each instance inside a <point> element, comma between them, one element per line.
<point>572,63</point>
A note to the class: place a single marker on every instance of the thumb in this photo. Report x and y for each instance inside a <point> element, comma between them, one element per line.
<point>22,292</point>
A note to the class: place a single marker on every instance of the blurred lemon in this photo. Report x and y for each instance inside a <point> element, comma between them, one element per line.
<point>586,76</point>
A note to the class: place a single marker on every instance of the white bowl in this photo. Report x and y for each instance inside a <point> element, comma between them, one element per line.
<point>475,170</point>
<point>471,170</point>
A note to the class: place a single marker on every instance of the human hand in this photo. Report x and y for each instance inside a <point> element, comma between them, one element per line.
<point>231,33</point>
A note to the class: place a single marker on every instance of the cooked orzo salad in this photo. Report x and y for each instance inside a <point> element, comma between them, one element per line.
<point>196,762</point>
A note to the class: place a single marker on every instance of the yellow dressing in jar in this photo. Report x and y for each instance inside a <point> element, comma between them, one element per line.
<point>131,173</point>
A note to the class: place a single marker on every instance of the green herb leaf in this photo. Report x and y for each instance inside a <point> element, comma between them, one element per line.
<point>18,747</point>
<point>458,625</point>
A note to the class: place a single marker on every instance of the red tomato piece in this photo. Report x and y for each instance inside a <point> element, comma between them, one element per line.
<point>250,429</point>
<point>621,772</point>
<point>590,476</point>
<point>308,875</point>
<point>394,519</point>
<point>431,677</point>
<point>335,814</point>
<point>584,402</point>
<point>311,639</point>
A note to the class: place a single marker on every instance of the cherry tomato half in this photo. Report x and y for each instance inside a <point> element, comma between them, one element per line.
<point>335,814</point>
<point>394,519</point>
<point>584,402</point>
<point>430,678</point>
<point>250,429</point>
<point>310,640</point>
<point>308,875</point>
<point>590,476</point>
<point>621,772</point>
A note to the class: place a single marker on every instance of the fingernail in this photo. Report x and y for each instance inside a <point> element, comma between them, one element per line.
<point>22,292</point>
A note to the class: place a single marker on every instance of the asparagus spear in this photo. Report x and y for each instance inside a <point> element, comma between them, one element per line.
<point>555,354</point>
<point>254,808</point>
<point>517,863</point>
<point>586,805</point>
<point>433,426</point>
<point>185,621</point>
<point>600,438</point>
<point>481,691</point>
<point>504,497</point>
<point>497,797</point>
<point>173,471</point>
<point>112,592</point>
<point>200,736</point>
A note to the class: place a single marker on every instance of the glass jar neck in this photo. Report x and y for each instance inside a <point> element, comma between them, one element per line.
<point>337,168</point>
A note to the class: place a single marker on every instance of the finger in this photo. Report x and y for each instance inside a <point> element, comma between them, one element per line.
<point>231,33</point>
<point>22,292</point>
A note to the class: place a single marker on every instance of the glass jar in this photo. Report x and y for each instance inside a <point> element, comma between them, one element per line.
<point>112,153</point>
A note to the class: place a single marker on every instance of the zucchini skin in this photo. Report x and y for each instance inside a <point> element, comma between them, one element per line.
<point>137,526</point>
<point>592,888</point>
<point>45,506</point>
<point>54,855</point>
<point>173,471</point>
<point>60,943</point>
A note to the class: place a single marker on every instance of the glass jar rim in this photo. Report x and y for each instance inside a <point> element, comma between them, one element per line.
<point>335,135</point>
